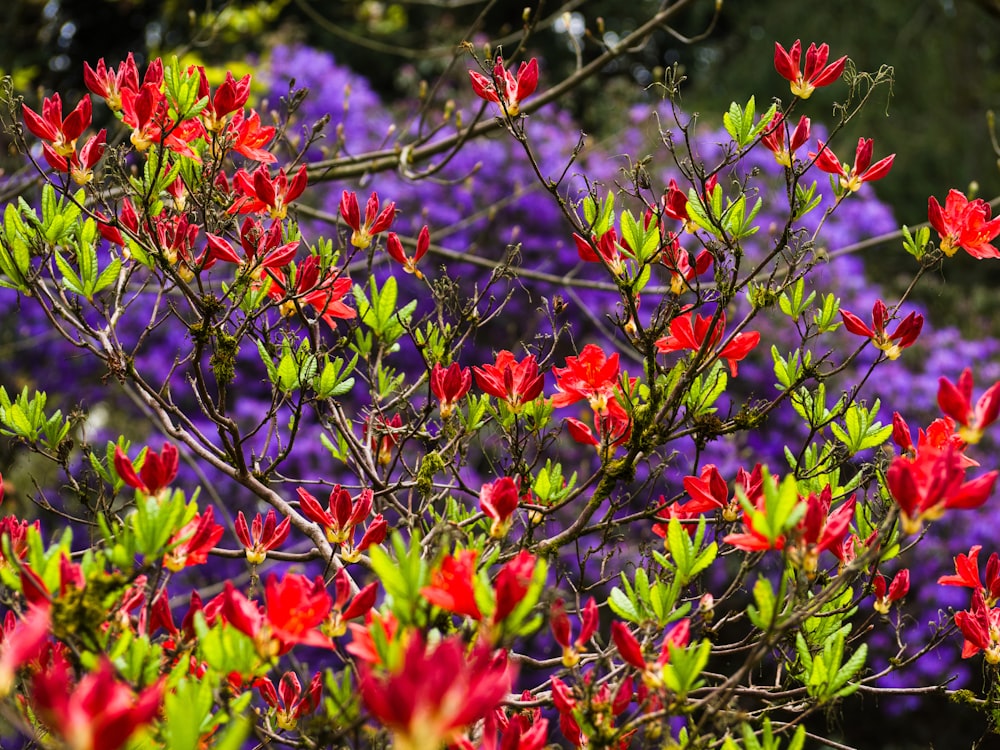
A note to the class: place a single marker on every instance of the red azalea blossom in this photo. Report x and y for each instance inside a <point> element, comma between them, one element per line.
<point>512,583</point>
<point>682,273</point>
<point>97,713</point>
<point>61,134</point>
<point>903,336</point>
<point>345,607</point>
<point>675,202</point>
<point>964,224</point>
<point>375,221</point>
<point>259,192</point>
<point>852,178</point>
<point>611,430</point>
<point>886,595</point>
<point>229,97</point>
<point>593,375</point>
<point>395,249</point>
<point>288,701</point>
<point>955,400</point>
<point>515,382</point>
<point>262,536</point>
<point>512,90</point>
<point>449,384</point>
<point>246,136</point>
<point>563,633</point>
<point>783,145</point>
<point>325,295</point>
<point>610,250</point>
<point>22,641</point>
<point>932,482</point>
<point>816,74</point>
<point>451,587</point>
<point>343,516</point>
<point>696,331</point>
<point>967,574</point>
<point>436,692</point>
<point>192,543</point>
<point>498,500</point>
<point>157,472</point>
<point>293,609</point>
<point>980,626</point>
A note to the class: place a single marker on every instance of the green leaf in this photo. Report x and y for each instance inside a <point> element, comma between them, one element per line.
<point>623,606</point>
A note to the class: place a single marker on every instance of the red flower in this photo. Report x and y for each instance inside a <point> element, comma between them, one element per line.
<point>261,536</point>
<point>512,91</point>
<point>611,430</point>
<point>375,221</point>
<point>50,125</point>
<point>592,375</point>
<point>932,482</point>
<point>967,574</point>
<point>293,608</point>
<point>192,543</point>
<point>708,492</point>
<point>955,400</point>
<point>851,179</point>
<point>451,587</point>
<point>246,136</point>
<point>22,641</point>
<point>628,645</point>
<point>109,83</point>
<point>324,294</point>
<point>609,250</point>
<point>289,702</point>
<point>677,261</point>
<point>344,513</point>
<point>498,500</point>
<point>964,224</point>
<point>695,332</point>
<point>780,143</point>
<point>563,632</point>
<point>675,202</point>
<point>232,95</point>
<point>156,474</point>
<point>512,584</point>
<point>98,713</point>
<point>820,530</point>
<point>817,72</point>
<point>515,382</point>
<point>436,692</point>
<point>145,111</point>
<point>904,335</point>
<point>449,384</point>
<point>980,626</point>
<point>258,192</point>
<point>342,611</point>
<point>395,249</point>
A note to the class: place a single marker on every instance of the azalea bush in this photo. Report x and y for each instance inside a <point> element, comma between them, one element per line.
<point>635,480</point>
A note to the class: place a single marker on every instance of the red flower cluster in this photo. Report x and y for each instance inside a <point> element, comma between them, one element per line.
<point>964,224</point>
